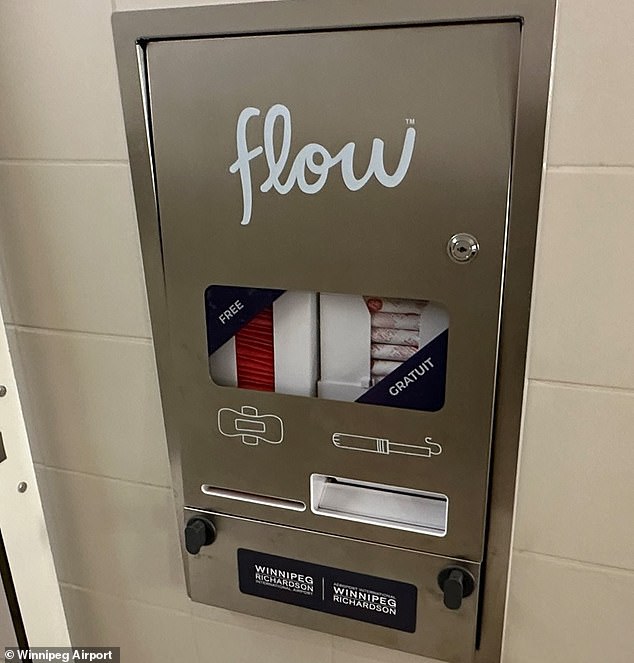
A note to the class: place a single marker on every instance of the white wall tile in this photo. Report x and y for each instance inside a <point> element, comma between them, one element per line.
<point>114,537</point>
<point>568,613</point>
<point>71,261</point>
<point>344,650</point>
<point>223,642</point>
<point>583,316</point>
<point>4,300</point>
<point>351,651</point>
<point>70,248</point>
<point>60,95</point>
<point>576,490</point>
<point>92,404</point>
<point>241,621</point>
<point>144,633</point>
<point>593,94</point>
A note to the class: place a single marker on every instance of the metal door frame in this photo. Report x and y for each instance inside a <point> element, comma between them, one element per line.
<point>9,607</point>
<point>132,30</point>
<point>33,580</point>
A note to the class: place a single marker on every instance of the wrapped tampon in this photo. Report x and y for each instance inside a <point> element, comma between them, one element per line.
<point>409,321</point>
<point>392,352</point>
<point>385,305</point>
<point>382,367</point>
<point>394,336</point>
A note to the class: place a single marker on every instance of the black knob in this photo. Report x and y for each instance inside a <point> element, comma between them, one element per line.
<point>199,532</point>
<point>456,584</point>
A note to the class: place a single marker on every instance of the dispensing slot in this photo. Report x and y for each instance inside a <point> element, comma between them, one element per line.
<point>253,498</point>
<point>379,504</point>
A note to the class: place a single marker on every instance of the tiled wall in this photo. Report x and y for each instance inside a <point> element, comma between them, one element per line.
<point>78,322</point>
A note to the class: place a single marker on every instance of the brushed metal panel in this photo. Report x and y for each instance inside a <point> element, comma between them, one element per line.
<point>133,31</point>
<point>459,84</point>
<point>440,633</point>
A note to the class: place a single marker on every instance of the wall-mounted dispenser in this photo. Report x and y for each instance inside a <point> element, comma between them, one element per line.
<point>337,205</point>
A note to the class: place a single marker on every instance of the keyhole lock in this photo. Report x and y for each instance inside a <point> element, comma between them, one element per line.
<point>456,584</point>
<point>463,247</point>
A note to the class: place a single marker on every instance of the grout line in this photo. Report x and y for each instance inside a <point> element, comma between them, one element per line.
<point>597,168</point>
<point>77,332</point>
<point>581,385</point>
<point>64,162</point>
<point>118,597</point>
<point>93,475</point>
<point>595,566</point>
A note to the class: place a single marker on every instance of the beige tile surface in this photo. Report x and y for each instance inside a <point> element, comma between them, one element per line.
<point>57,71</point>
<point>576,492</point>
<point>233,644</point>
<point>145,633</point>
<point>259,625</point>
<point>114,537</point>
<point>345,651</point>
<point>121,5</point>
<point>4,297</point>
<point>351,651</point>
<point>593,95</point>
<point>568,613</point>
<point>214,614</point>
<point>92,404</point>
<point>583,314</point>
<point>70,249</point>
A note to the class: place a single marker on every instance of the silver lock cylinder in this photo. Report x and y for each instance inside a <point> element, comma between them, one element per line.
<point>463,247</point>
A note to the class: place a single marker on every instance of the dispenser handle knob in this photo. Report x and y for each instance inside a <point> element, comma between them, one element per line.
<point>456,584</point>
<point>199,532</point>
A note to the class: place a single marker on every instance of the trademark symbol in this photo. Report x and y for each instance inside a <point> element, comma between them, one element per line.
<point>410,120</point>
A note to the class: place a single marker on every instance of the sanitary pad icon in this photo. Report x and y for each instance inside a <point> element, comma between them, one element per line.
<point>252,427</point>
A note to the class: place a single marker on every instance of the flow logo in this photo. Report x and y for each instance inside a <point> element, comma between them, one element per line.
<point>313,158</point>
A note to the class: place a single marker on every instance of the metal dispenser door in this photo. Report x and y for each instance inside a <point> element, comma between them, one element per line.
<point>441,98</point>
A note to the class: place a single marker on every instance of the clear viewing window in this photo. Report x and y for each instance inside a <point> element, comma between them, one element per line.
<point>367,349</point>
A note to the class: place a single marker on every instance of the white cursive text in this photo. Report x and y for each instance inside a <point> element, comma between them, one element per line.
<point>314,158</point>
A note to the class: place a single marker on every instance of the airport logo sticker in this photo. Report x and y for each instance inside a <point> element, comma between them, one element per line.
<point>365,598</point>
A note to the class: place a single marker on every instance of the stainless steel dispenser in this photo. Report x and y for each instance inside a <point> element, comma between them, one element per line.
<point>337,205</point>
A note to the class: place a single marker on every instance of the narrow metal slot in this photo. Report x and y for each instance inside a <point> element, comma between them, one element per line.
<point>379,504</point>
<point>253,498</point>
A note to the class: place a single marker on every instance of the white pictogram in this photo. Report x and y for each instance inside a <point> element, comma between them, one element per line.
<point>252,427</point>
<point>379,445</point>
<point>312,162</point>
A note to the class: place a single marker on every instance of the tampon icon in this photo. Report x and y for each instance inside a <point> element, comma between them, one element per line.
<point>379,445</point>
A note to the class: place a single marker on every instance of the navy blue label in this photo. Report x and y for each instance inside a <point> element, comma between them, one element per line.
<point>229,308</point>
<point>388,603</point>
<point>418,384</point>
